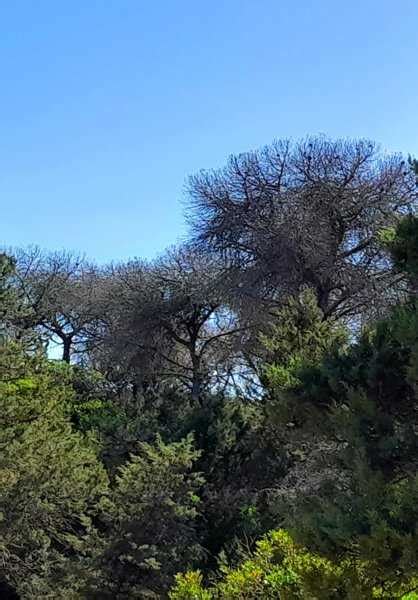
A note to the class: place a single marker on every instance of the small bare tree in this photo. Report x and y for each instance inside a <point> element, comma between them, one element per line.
<point>60,293</point>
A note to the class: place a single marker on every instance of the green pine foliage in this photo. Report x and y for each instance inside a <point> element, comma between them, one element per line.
<point>51,481</point>
<point>6,293</point>
<point>152,521</point>
<point>403,245</point>
<point>299,338</point>
<point>349,420</point>
<point>10,308</point>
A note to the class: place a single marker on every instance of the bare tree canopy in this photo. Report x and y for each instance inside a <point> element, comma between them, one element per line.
<point>169,320</point>
<point>304,214</point>
<point>60,293</point>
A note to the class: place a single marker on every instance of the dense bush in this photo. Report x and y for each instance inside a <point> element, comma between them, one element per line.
<point>279,568</point>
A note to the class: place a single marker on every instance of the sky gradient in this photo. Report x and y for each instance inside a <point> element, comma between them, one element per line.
<point>106,107</point>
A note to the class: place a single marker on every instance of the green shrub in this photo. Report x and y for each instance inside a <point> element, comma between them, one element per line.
<point>281,569</point>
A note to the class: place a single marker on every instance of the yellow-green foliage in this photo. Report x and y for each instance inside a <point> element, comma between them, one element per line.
<point>281,569</point>
<point>189,586</point>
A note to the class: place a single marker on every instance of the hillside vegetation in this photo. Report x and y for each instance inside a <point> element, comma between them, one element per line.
<point>237,419</point>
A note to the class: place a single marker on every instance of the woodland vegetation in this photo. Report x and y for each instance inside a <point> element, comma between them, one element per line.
<point>237,419</point>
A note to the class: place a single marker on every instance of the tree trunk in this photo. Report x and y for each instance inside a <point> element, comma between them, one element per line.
<point>66,349</point>
<point>7,592</point>
<point>196,378</point>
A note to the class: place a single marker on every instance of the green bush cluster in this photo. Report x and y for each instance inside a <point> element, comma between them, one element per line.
<point>281,569</point>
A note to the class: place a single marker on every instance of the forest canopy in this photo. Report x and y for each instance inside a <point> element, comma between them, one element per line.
<point>236,419</point>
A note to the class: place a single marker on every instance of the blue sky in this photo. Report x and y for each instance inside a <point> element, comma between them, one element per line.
<point>106,107</point>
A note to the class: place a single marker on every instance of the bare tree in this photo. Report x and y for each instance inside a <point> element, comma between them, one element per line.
<point>305,214</point>
<point>59,291</point>
<point>170,321</point>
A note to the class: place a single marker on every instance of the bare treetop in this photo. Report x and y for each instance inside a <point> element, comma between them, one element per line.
<point>307,213</point>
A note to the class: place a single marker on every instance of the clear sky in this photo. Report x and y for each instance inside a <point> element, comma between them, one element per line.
<point>106,106</point>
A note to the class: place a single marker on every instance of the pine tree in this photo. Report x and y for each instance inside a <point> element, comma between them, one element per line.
<point>51,482</point>
<point>152,525</point>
